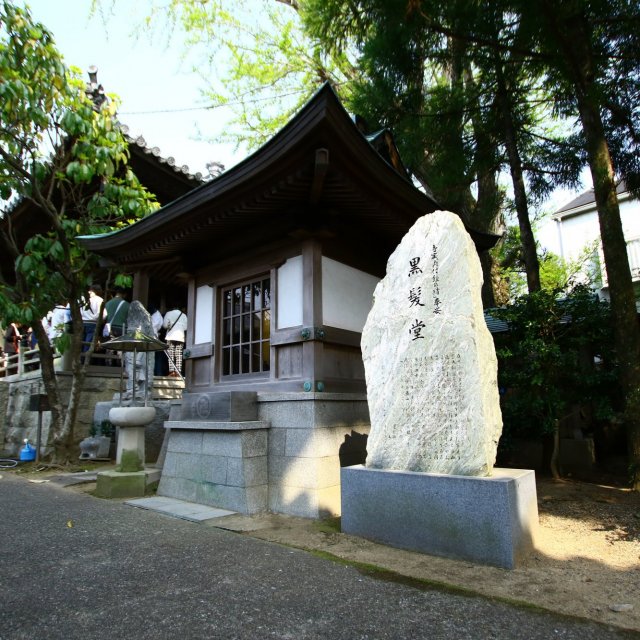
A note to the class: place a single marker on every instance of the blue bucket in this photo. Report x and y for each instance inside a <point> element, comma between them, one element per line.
<point>27,453</point>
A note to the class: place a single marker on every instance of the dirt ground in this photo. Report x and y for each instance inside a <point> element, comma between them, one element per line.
<point>586,562</point>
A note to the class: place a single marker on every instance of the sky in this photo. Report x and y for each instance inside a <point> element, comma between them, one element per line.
<point>159,93</point>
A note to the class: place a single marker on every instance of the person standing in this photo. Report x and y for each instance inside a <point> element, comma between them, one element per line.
<point>90,313</point>
<point>12,338</point>
<point>57,321</point>
<point>117,310</point>
<point>161,364</point>
<point>175,322</point>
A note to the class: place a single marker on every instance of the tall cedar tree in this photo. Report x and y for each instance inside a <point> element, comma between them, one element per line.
<point>448,80</point>
<point>587,54</point>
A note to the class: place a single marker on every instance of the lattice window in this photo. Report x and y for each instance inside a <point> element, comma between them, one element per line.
<point>246,325</point>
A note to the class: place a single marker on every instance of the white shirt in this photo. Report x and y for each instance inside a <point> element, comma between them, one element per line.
<point>175,322</point>
<point>90,312</point>
<point>156,322</point>
<point>56,322</point>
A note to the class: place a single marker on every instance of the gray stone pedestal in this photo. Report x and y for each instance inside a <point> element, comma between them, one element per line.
<point>220,464</point>
<point>133,484</point>
<point>488,520</point>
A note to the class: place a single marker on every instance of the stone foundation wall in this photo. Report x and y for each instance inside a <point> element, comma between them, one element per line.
<point>221,464</point>
<point>4,400</point>
<point>309,436</point>
<point>17,422</point>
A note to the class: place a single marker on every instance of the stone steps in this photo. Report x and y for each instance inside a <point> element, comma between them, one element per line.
<point>166,388</point>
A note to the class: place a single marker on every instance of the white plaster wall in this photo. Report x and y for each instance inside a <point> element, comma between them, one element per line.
<point>289,294</point>
<point>347,295</point>
<point>630,214</point>
<point>204,315</point>
<point>577,233</point>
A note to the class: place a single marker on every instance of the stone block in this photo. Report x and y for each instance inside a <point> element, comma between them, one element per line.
<point>254,443</point>
<point>112,484</point>
<point>243,500</point>
<point>189,466</point>
<point>175,410</point>
<point>247,472</point>
<point>220,406</point>
<point>180,488</point>
<point>170,468</point>
<point>256,499</point>
<point>488,520</point>
<point>310,443</point>
<point>306,503</point>
<point>214,469</point>
<point>346,413</point>
<point>277,441</point>
<point>313,410</point>
<point>288,414</point>
<point>214,495</point>
<point>222,443</point>
<point>305,473</point>
<point>329,503</point>
<point>185,442</point>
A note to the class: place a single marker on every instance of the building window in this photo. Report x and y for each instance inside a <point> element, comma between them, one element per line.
<point>246,323</point>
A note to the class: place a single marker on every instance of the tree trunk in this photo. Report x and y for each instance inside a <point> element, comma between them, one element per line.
<point>527,239</point>
<point>555,454</point>
<point>64,435</point>
<point>623,303</point>
<point>487,210</point>
<point>573,36</point>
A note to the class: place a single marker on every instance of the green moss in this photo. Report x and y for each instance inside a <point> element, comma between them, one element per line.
<point>328,525</point>
<point>130,462</point>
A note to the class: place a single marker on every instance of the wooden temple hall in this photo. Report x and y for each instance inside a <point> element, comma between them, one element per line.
<point>280,256</point>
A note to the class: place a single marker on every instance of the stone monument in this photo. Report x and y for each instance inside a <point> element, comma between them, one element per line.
<point>431,371</point>
<point>430,362</point>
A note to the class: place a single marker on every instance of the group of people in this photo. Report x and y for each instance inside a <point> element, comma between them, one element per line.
<point>15,337</point>
<point>170,328</point>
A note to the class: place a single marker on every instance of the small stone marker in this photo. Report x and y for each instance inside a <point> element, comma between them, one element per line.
<point>430,362</point>
<point>138,318</point>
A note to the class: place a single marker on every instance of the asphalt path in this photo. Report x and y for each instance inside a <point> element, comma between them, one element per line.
<point>74,566</point>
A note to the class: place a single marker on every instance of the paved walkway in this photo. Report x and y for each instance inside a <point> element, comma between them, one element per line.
<point>74,566</point>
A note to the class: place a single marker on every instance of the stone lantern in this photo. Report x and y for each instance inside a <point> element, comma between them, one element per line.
<point>134,413</point>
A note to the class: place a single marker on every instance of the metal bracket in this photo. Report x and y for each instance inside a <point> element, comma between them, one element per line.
<point>312,333</point>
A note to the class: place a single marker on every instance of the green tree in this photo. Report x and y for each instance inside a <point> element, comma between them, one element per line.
<point>260,63</point>
<point>490,115</point>
<point>556,274</point>
<point>590,50</point>
<point>581,56</point>
<point>585,54</point>
<point>557,355</point>
<point>63,173</point>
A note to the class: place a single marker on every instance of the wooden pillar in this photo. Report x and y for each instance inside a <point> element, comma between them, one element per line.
<point>141,288</point>
<point>312,351</point>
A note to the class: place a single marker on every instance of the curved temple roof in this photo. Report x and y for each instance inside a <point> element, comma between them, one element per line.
<point>319,171</point>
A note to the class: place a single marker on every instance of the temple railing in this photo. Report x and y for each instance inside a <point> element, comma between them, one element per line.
<point>28,360</point>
